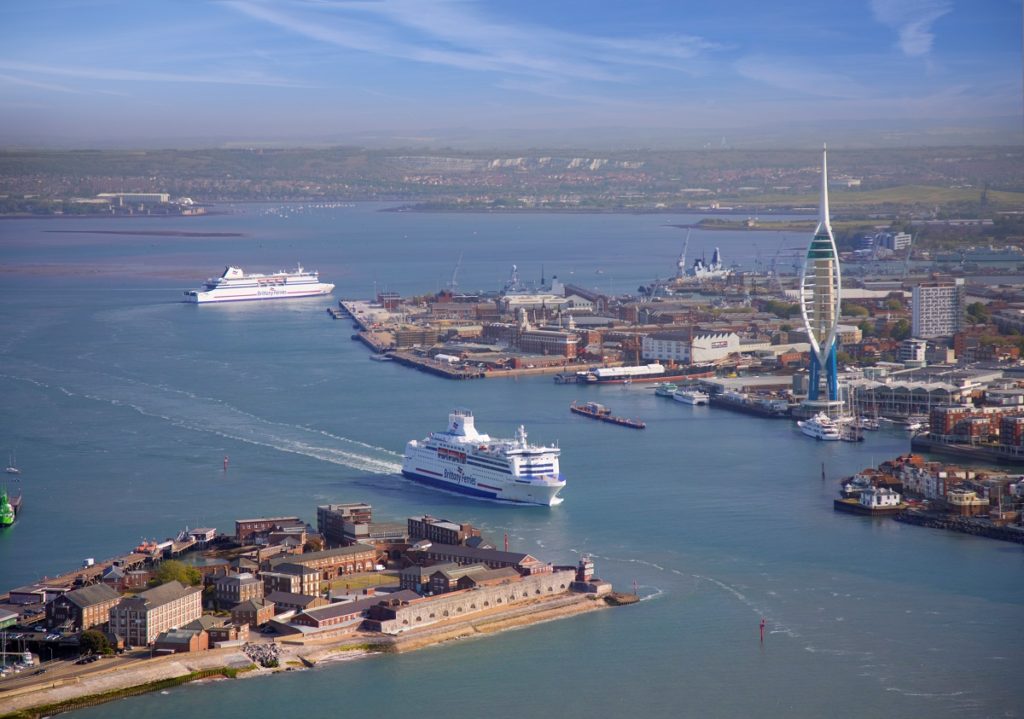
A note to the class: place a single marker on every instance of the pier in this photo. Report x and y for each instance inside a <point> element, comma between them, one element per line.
<point>432,366</point>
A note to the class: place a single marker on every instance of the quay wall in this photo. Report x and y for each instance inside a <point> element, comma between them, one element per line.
<point>924,443</point>
<point>430,610</point>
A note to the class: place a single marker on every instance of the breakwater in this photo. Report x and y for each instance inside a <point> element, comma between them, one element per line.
<point>964,525</point>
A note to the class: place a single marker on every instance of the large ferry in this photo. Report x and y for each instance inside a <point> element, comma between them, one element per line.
<point>463,460</point>
<point>642,373</point>
<point>237,286</point>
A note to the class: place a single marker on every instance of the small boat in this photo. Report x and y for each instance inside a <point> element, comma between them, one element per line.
<point>600,412</point>
<point>382,358</point>
<point>12,465</point>
<point>7,511</point>
<point>665,389</point>
<point>869,423</point>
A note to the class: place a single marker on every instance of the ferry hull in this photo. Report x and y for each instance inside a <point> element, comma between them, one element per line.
<point>203,298</point>
<point>495,494</point>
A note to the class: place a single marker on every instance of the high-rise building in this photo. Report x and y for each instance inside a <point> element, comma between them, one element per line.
<point>820,289</point>
<point>938,308</point>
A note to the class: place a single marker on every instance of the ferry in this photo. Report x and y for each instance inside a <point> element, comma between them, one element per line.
<point>820,427</point>
<point>666,389</point>
<point>602,413</point>
<point>642,373</point>
<point>692,396</point>
<point>6,510</point>
<point>235,285</point>
<point>461,459</point>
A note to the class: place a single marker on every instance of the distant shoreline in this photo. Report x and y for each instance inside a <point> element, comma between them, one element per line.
<point>148,233</point>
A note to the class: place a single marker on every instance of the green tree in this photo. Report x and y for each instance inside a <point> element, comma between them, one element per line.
<point>173,570</point>
<point>893,304</point>
<point>977,313</point>
<point>900,330</point>
<point>94,642</point>
<point>867,328</point>
<point>313,544</point>
<point>855,310</point>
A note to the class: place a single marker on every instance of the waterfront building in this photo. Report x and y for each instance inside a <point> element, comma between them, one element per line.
<point>440,531</point>
<point>247,529</point>
<point>140,619</point>
<point>938,308</point>
<point>689,347</point>
<point>83,608</point>
<point>181,641</point>
<point>446,579</point>
<point>820,298</point>
<point>401,614</point>
<point>493,558</point>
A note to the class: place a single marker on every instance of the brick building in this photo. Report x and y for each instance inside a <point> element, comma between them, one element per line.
<point>440,531</point>
<point>181,641</point>
<point>246,529</point>
<point>231,589</point>
<point>289,601</point>
<point>330,519</point>
<point>333,562</point>
<point>140,619</point>
<point>253,612</point>
<point>83,608</point>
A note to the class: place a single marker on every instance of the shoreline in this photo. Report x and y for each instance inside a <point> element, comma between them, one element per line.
<point>110,684</point>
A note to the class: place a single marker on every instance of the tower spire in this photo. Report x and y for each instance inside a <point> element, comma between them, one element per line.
<point>824,219</point>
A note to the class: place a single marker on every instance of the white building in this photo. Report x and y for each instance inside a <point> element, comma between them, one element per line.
<point>689,348</point>
<point>879,498</point>
<point>938,308</point>
<point>913,352</point>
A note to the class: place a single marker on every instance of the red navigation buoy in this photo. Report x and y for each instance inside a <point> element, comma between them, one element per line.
<point>762,630</point>
<point>225,463</point>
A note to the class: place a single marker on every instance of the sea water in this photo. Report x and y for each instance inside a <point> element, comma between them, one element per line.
<point>122,402</point>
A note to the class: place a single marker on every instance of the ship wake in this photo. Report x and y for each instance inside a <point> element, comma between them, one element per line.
<point>210,415</point>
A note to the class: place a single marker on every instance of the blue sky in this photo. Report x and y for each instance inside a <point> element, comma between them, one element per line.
<point>93,70</point>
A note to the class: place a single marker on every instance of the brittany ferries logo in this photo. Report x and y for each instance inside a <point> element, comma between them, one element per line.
<point>458,476</point>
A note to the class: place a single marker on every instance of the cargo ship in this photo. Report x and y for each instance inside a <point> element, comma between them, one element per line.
<point>600,412</point>
<point>461,459</point>
<point>235,285</point>
<point>640,373</point>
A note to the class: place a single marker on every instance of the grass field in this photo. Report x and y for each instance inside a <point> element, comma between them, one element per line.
<point>903,195</point>
<point>366,579</point>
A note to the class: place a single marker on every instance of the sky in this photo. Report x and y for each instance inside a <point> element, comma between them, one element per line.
<point>101,72</point>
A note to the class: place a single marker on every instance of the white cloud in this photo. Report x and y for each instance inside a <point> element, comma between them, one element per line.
<point>121,75</point>
<point>455,34</point>
<point>912,20</point>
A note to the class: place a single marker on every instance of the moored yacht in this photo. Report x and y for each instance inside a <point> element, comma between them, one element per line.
<point>820,426</point>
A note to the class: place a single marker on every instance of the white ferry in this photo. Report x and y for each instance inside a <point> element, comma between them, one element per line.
<point>820,427</point>
<point>460,459</point>
<point>237,286</point>
<point>691,396</point>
